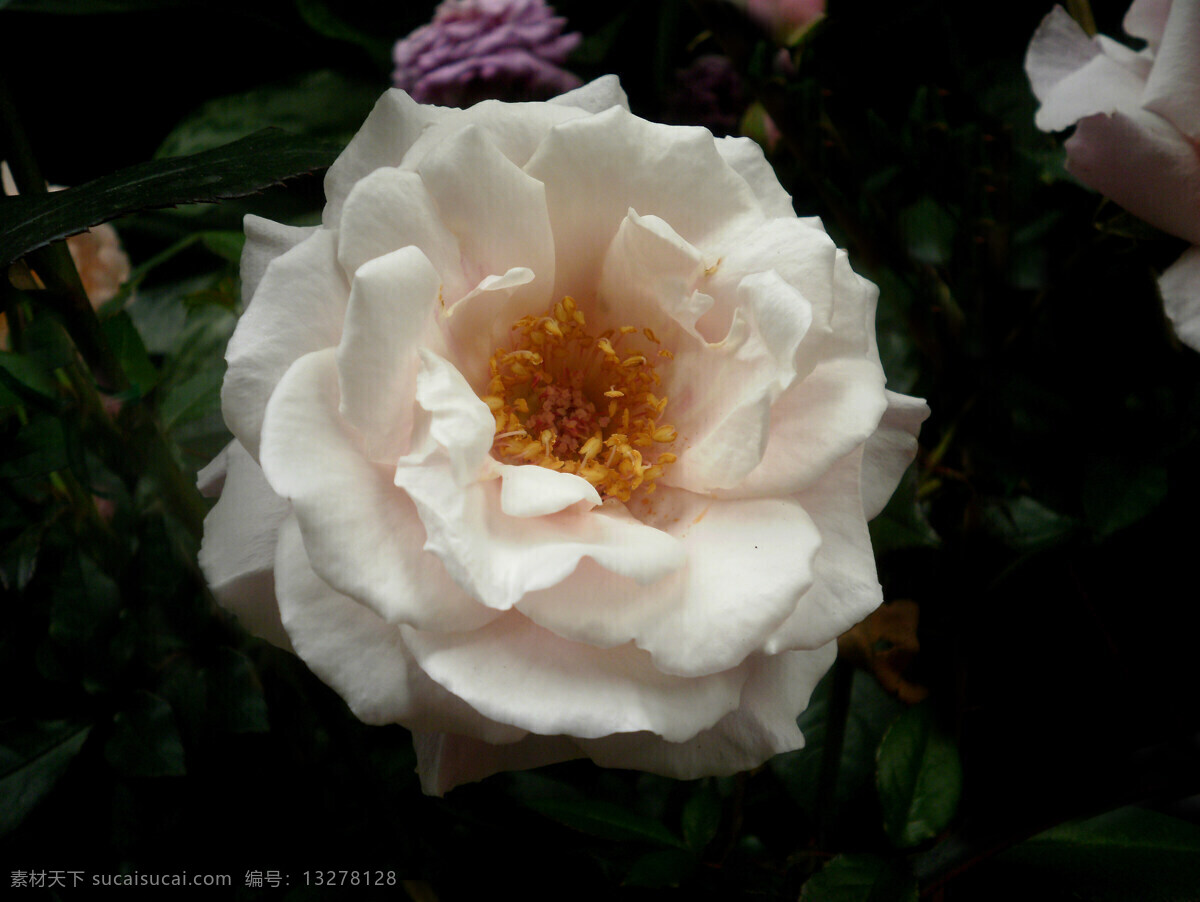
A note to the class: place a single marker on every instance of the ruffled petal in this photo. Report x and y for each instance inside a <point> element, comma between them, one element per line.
<point>1073,78</point>
<point>890,450</point>
<point>237,553</point>
<point>298,308</point>
<point>266,240</point>
<point>446,760</point>
<point>362,535</point>
<point>390,209</point>
<point>363,657</point>
<point>1173,88</point>
<point>597,167</point>
<point>1147,19</point>
<point>845,589</point>
<point>392,300</point>
<point>763,725</point>
<point>1144,164</point>
<point>1180,288</point>
<point>531,491</point>
<point>747,159</point>
<point>748,564</point>
<point>518,673</point>
<point>596,96</point>
<point>814,424</point>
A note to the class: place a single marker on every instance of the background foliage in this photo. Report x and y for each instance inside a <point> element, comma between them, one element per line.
<point>1046,535</point>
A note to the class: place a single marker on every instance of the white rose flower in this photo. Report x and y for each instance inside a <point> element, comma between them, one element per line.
<point>1137,125</point>
<point>557,438</point>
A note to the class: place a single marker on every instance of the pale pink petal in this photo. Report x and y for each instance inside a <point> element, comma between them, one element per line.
<point>1059,48</point>
<point>763,725</point>
<point>748,564</point>
<point>363,657</point>
<point>390,209</point>
<point>814,424</point>
<point>746,157</point>
<point>531,491</point>
<point>596,96</point>
<point>846,589</point>
<point>518,673</point>
<point>890,450</point>
<point>237,553</point>
<point>1147,19</point>
<point>298,308</point>
<point>1180,288</point>
<point>362,535</point>
<point>598,167</point>
<point>266,240</point>
<point>1144,164</point>
<point>446,760</point>
<point>390,312</point>
<point>1102,85</point>
<point>1173,88</point>
<point>482,320</point>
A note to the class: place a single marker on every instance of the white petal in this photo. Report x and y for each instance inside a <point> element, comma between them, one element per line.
<point>446,760</point>
<point>815,423</point>
<point>1173,88</point>
<point>393,126</point>
<point>237,553</point>
<point>1059,48</point>
<point>1101,86</point>
<point>532,491</point>
<point>1180,288</point>
<point>764,725</point>
<point>1144,164</point>
<point>846,589</point>
<point>748,563</point>
<point>363,657</point>
<point>266,240</point>
<point>596,96</point>
<point>1147,19</point>
<point>481,321</point>
<point>497,212</point>
<point>298,308</point>
<point>890,450</point>
<point>747,159</point>
<point>597,167</point>
<point>515,672</point>
<point>390,209</point>
<point>362,535</point>
<point>460,425</point>
<point>392,299</point>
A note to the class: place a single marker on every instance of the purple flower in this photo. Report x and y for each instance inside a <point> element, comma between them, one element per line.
<point>479,49</point>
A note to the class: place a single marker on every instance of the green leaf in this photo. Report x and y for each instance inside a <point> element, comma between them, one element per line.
<point>24,374</point>
<point>1130,853</point>
<point>902,524</point>
<point>321,19</point>
<point>84,604</point>
<point>928,230</point>
<point>127,347</point>
<point>1024,524</point>
<point>1117,494</point>
<point>145,741</point>
<point>40,448</point>
<point>319,105</point>
<point>919,776</point>
<point>701,817</point>
<point>606,821</point>
<point>263,159</point>
<point>235,697</point>
<point>32,759</point>
<point>860,878</point>
<point>657,870</point>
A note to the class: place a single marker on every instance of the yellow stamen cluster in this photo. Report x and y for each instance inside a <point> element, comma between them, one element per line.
<point>570,401</point>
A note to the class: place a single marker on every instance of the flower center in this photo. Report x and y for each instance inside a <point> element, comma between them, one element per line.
<point>570,401</point>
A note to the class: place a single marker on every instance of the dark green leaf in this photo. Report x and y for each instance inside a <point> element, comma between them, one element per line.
<point>701,817</point>
<point>1130,853</point>
<point>318,105</point>
<point>127,347</point>
<point>657,870</point>
<point>919,777</point>
<point>606,821</point>
<point>860,878</point>
<point>32,759</point>
<point>144,740</point>
<point>322,20</point>
<point>192,399</point>
<point>24,374</point>
<point>1117,494</point>
<point>1026,525</point>
<point>928,231</point>
<point>233,170</point>
<point>85,602</point>
<point>235,697</point>
<point>40,448</point>
<point>902,524</point>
